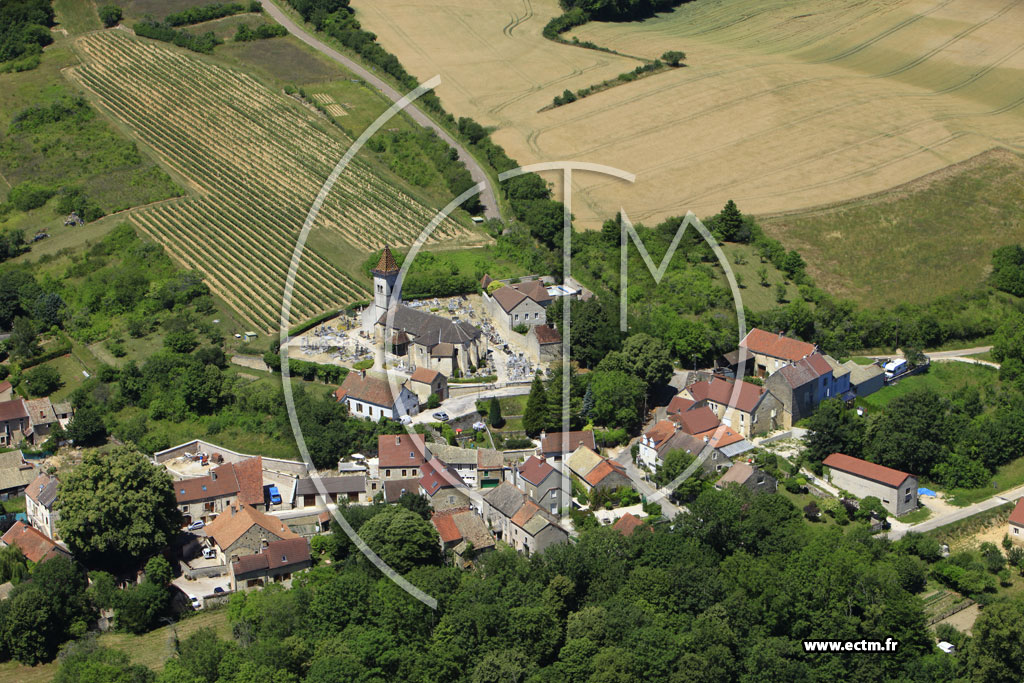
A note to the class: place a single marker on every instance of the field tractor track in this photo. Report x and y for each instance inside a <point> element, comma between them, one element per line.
<point>881,36</point>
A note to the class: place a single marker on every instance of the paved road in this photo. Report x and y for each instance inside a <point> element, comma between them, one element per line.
<point>487,197</point>
<point>464,405</point>
<point>644,487</point>
<point>940,355</point>
<point>956,515</point>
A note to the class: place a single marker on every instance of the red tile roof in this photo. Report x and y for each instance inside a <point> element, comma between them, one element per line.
<point>776,346</point>
<point>679,404</point>
<point>444,522</point>
<point>697,420</point>
<point>425,375</point>
<point>13,410</point>
<point>236,520</point>
<point>535,469</point>
<point>865,469</point>
<point>250,480</point>
<point>604,469</point>
<point>627,524</point>
<point>35,545</point>
<point>719,391</point>
<point>1017,516</point>
<point>720,438</point>
<point>525,513</point>
<point>547,334</point>
<point>401,450</point>
<point>5,386</point>
<point>661,431</point>
<point>244,479</point>
<point>437,476</point>
<point>368,388</point>
<point>393,488</point>
<point>508,298</point>
<point>387,264</point>
<point>551,444</point>
<point>276,555</point>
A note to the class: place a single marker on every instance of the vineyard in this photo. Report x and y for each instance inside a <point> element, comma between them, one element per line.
<point>255,160</point>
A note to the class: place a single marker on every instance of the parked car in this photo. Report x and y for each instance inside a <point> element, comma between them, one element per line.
<point>275,496</point>
<point>198,524</point>
<point>196,602</point>
<point>479,426</point>
<point>209,553</point>
<point>218,589</point>
<point>441,416</point>
<point>406,420</point>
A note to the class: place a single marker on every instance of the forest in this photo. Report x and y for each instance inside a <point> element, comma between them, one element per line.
<point>727,593</point>
<point>24,32</point>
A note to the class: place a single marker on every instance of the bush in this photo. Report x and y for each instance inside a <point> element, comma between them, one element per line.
<point>29,195</point>
<point>433,401</point>
<point>42,381</point>
<point>521,328</point>
<point>110,15</point>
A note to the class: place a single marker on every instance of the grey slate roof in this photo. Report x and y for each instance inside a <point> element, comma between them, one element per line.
<point>429,329</point>
<point>43,490</point>
<point>505,498</point>
<point>349,484</point>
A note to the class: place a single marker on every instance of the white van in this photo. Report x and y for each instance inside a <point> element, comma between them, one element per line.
<point>895,368</point>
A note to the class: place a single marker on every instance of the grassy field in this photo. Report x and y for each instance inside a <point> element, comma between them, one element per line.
<point>943,378</point>
<point>1008,476</point>
<point>932,236</point>
<point>781,106</point>
<point>83,150</point>
<point>254,173</point>
<point>151,649</point>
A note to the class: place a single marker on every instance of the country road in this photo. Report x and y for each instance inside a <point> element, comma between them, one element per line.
<point>487,197</point>
<point>897,532</point>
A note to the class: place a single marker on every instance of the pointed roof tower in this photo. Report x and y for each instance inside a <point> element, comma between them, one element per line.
<point>387,264</point>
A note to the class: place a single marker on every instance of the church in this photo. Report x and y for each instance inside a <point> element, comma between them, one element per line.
<point>419,338</point>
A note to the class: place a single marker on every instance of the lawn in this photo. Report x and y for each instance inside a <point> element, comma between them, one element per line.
<point>14,505</point>
<point>918,515</point>
<point>512,405</point>
<point>150,649</point>
<point>943,378</point>
<point>1008,476</point>
<point>745,263</point>
<point>70,369</point>
<point>897,246</point>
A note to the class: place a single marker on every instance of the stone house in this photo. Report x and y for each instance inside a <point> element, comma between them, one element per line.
<point>666,436</point>
<point>275,563</point>
<point>517,303</point>
<point>544,343</point>
<point>595,472</point>
<point>369,396</point>
<point>442,486</point>
<point>772,351</point>
<point>425,382</point>
<point>749,476</point>
<point>518,521</point>
<point>801,386</point>
<point>541,482</point>
<point>40,497</point>
<point>243,530</point>
<point>203,498</point>
<point>897,490</point>
<point>14,422</point>
<point>35,545</point>
<point>464,533</point>
<point>1016,523</point>
<point>747,408</point>
<point>351,489</point>
<point>15,474</point>
<point>400,456</point>
<point>557,445</point>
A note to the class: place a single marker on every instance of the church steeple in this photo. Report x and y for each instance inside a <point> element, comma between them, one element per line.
<point>387,264</point>
<point>384,277</point>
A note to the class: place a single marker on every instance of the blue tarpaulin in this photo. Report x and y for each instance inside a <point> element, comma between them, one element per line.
<point>925,492</point>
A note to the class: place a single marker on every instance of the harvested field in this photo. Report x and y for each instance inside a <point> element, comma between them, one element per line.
<point>255,160</point>
<point>783,105</point>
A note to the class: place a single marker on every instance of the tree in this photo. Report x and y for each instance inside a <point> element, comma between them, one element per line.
<point>402,538</point>
<point>649,359</point>
<point>494,413</point>
<point>762,275</point>
<point>912,434</point>
<point>1008,269</point>
<point>23,343</point>
<point>834,429</point>
<point>85,661</point>
<point>110,15</point>
<point>618,399</point>
<point>43,380</point>
<point>996,651</point>
<point>180,341</point>
<point>433,401</point>
<point>729,221</point>
<point>117,507</point>
<point>13,565</point>
<point>535,416</point>
<point>86,427</point>
<point>137,608</point>
<point>780,292</point>
<point>675,58</point>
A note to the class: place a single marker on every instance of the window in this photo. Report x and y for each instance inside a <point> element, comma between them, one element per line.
<point>1016,530</point>
<point>554,492</point>
<point>907,490</point>
<point>403,473</point>
<point>451,500</point>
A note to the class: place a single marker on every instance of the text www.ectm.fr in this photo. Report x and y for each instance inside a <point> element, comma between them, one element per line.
<point>889,645</point>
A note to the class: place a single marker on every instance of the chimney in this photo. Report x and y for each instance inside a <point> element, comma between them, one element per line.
<point>398,440</point>
<point>362,374</point>
<point>232,510</point>
<point>705,439</point>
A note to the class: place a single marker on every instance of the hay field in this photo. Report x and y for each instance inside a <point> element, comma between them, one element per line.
<point>784,104</point>
<point>254,160</point>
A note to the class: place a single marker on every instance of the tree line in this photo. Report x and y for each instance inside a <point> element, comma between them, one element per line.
<point>24,32</point>
<point>162,31</point>
<point>216,10</point>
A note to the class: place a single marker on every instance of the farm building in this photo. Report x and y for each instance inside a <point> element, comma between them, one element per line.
<point>425,382</point>
<point>897,490</point>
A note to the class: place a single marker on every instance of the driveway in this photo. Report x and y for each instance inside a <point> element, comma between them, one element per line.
<point>942,520</point>
<point>487,197</point>
<point>203,586</point>
<point>464,405</point>
<point>648,490</point>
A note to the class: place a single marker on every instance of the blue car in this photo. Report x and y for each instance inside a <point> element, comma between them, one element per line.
<point>275,496</point>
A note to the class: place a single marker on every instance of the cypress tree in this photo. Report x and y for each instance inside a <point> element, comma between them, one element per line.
<point>535,416</point>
